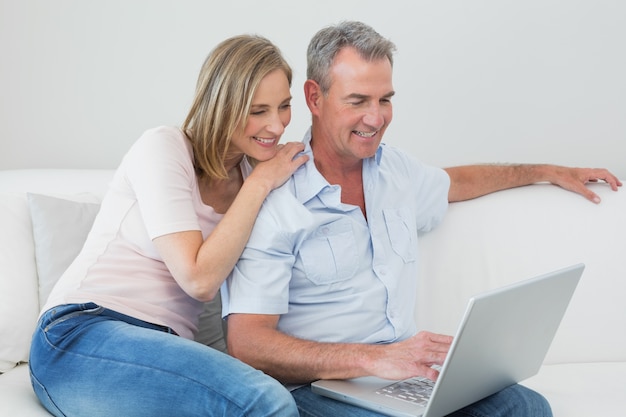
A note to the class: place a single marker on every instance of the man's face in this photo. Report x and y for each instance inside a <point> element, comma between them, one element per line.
<point>355,113</point>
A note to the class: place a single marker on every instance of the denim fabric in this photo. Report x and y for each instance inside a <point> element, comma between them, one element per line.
<point>514,401</point>
<point>90,361</point>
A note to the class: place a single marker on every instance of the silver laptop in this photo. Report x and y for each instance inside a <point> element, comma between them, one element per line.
<point>502,339</point>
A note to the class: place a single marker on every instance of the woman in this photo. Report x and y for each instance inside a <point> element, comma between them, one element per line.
<point>115,336</point>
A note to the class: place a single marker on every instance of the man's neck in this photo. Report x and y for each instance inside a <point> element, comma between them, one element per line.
<point>337,171</point>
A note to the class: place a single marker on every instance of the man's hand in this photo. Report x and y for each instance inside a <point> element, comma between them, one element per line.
<point>575,180</point>
<point>254,339</point>
<point>412,357</point>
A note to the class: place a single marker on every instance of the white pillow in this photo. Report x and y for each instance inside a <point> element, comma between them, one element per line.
<point>19,305</point>
<point>60,228</point>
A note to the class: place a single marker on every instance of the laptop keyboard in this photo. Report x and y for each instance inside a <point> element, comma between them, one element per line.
<point>415,390</point>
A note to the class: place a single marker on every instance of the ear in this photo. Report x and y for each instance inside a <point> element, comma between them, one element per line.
<point>312,95</point>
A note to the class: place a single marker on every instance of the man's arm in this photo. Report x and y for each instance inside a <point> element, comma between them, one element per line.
<point>471,181</point>
<point>254,339</point>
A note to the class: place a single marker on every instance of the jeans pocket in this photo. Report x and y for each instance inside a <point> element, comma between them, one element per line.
<point>61,314</point>
<point>62,320</point>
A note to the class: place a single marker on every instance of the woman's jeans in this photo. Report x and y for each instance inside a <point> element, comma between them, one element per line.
<point>515,400</point>
<point>86,360</point>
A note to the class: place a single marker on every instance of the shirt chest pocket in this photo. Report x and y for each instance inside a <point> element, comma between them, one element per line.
<point>330,254</point>
<point>402,232</point>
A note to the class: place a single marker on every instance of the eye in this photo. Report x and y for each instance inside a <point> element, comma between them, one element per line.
<point>257,112</point>
<point>285,106</point>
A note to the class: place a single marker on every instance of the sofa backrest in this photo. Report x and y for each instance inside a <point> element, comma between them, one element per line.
<point>520,233</point>
<point>482,244</point>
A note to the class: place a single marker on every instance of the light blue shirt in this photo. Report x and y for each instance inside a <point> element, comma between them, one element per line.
<point>331,274</point>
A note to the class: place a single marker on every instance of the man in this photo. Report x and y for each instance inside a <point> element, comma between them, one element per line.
<point>325,286</point>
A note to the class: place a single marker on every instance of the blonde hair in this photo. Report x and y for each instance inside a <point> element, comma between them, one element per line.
<point>226,85</point>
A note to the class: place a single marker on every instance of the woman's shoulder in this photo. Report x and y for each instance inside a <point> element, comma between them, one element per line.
<point>159,148</point>
<point>164,133</point>
<point>162,140</point>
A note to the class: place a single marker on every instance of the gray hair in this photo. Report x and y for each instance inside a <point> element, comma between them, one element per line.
<point>326,43</point>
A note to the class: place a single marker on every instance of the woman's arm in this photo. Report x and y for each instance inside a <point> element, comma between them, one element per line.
<point>200,266</point>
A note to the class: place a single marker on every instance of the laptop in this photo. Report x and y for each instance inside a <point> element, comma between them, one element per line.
<point>503,339</point>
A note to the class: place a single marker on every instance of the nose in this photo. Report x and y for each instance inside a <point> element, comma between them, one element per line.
<point>375,116</point>
<point>276,123</point>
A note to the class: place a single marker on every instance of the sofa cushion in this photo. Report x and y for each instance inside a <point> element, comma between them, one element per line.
<point>19,304</point>
<point>582,389</point>
<point>61,225</point>
<point>60,228</point>
<point>17,398</point>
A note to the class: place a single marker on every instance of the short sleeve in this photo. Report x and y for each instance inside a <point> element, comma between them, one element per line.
<point>159,171</point>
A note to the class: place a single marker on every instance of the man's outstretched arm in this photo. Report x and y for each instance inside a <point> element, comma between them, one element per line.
<point>471,181</point>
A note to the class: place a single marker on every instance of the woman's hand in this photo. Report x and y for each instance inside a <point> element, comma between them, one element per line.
<point>276,171</point>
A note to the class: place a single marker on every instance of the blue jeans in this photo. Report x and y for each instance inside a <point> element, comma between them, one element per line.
<point>86,360</point>
<point>515,400</point>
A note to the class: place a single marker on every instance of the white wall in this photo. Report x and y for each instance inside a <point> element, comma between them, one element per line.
<point>476,81</point>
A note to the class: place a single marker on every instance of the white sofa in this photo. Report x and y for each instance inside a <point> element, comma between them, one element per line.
<point>483,243</point>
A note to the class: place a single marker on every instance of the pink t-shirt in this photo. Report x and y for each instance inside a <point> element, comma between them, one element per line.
<point>153,193</point>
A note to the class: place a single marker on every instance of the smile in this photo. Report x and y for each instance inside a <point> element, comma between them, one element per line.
<point>365,134</point>
<point>264,141</point>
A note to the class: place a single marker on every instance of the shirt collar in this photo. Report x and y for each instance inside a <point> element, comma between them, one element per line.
<point>309,182</point>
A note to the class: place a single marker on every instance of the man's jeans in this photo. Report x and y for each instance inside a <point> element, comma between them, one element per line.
<point>514,401</point>
<point>90,361</point>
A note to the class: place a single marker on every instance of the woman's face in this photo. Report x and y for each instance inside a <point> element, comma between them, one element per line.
<point>269,114</point>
